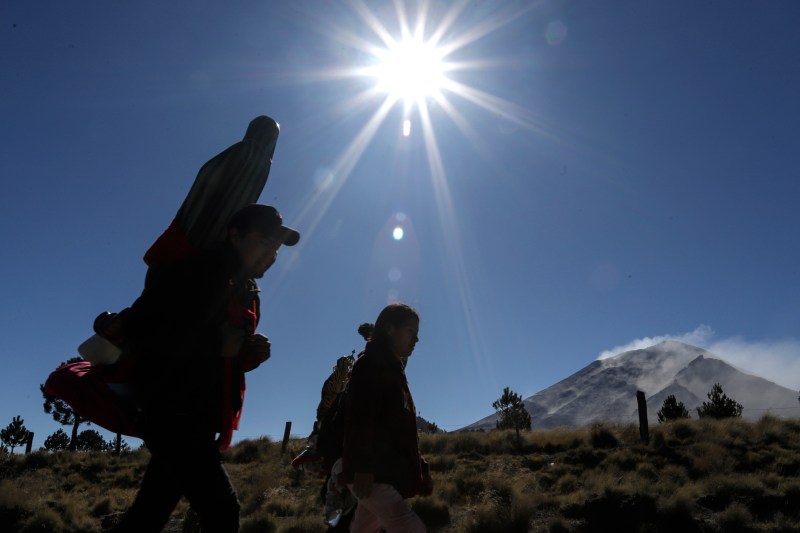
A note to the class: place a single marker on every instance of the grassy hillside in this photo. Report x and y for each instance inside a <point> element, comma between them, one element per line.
<point>693,476</point>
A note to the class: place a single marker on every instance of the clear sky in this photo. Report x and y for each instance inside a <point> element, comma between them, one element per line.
<point>577,178</point>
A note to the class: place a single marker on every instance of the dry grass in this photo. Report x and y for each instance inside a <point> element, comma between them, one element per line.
<point>693,476</point>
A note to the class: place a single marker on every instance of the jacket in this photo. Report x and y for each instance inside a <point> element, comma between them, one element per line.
<point>380,433</point>
<point>174,334</point>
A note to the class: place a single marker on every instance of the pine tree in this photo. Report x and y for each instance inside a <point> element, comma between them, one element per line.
<point>57,441</point>
<point>118,446</point>
<point>430,427</point>
<point>672,409</point>
<point>512,412</point>
<point>90,440</point>
<point>62,412</point>
<point>15,433</point>
<point>719,405</point>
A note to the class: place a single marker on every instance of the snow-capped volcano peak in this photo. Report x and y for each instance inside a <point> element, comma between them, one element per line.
<point>605,390</point>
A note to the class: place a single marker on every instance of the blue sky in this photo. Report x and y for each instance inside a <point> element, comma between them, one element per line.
<point>589,177</point>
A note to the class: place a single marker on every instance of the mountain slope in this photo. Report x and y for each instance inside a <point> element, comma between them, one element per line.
<point>605,390</point>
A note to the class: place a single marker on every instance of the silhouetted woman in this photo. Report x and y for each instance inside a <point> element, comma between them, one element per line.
<point>381,460</point>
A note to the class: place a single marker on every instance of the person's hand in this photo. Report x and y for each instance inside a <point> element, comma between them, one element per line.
<point>426,489</point>
<point>362,484</point>
<point>109,326</point>
<point>258,346</point>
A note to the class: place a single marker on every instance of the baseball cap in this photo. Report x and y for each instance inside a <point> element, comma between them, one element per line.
<point>265,219</point>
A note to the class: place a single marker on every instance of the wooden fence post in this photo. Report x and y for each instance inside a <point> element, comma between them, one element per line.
<point>286,436</point>
<point>644,430</point>
<point>29,444</point>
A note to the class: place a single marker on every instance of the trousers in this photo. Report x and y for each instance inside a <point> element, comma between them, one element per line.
<point>184,462</point>
<point>385,508</point>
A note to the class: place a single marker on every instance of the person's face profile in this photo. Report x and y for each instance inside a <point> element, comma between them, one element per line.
<point>404,337</point>
<point>257,251</point>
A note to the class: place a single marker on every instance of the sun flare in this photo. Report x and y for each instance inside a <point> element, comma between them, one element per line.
<point>409,70</point>
<point>421,60</point>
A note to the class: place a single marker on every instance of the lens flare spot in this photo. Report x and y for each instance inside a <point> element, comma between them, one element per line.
<point>406,128</point>
<point>395,274</point>
<point>556,33</point>
<point>397,233</point>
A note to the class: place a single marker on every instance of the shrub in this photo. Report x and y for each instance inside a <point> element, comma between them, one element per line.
<point>773,430</point>
<point>556,440</point>
<point>673,476</point>
<point>738,486</point>
<point>629,435</point>
<point>436,443</point>
<point>523,508</point>
<point>682,430</point>
<point>14,506</point>
<point>755,460</point>
<point>623,459</point>
<point>102,508</point>
<point>647,472</point>
<point>263,483</point>
<point>468,483</point>
<point>695,481</point>
<point>709,458</point>
<point>546,481</point>
<point>536,462</point>
<point>677,513</point>
<point>95,466</point>
<point>493,517</point>
<point>443,463</point>
<point>602,437</point>
<point>38,459</point>
<point>566,484</point>
<point>281,506</point>
<point>44,520</point>
<point>306,524</point>
<point>788,466</point>
<point>585,457</point>
<point>504,442</point>
<point>616,510</point>
<point>557,525</point>
<point>735,519</point>
<point>791,491</point>
<point>433,512</point>
<point>464,443</point>
<point>783,524</point>
<point>258,523</point>
<point>249,451</point>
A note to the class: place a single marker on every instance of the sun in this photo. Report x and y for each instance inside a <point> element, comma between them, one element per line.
<point>410,70</point>
<point>422,60</point>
